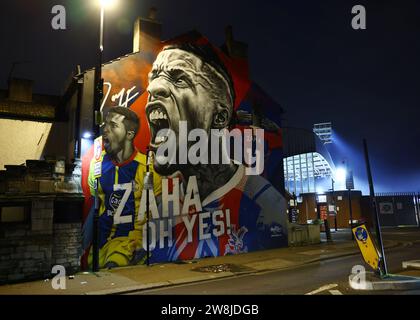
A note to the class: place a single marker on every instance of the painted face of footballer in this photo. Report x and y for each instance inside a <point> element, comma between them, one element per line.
<point>114,134</point>
<point>180,89</point>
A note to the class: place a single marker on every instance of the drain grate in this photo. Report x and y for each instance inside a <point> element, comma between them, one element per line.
<point>225,267</point>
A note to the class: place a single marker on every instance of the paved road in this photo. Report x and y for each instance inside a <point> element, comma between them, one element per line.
<point>326,277</point>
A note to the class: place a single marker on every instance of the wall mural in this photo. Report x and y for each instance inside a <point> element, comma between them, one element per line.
<point>215,171</point>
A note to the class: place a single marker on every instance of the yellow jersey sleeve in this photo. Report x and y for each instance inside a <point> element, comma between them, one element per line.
<point>91,177</point>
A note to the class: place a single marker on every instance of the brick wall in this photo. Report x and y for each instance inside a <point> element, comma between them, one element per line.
<point>24,255</point>
<point>29,250</point>
<point>66,249</point>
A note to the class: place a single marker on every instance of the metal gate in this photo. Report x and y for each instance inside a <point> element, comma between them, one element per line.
<point>398,209</point>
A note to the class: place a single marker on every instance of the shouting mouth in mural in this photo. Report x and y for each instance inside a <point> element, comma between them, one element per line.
<point>159,123</point>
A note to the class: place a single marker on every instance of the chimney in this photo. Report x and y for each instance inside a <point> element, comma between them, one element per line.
<point>20,90</point>
<point>229,38</point>
<point>152,13</point>
<point>147,32</point>
<point>235,49</point>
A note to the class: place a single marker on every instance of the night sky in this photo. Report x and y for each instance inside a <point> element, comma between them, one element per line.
<point>305,54</point>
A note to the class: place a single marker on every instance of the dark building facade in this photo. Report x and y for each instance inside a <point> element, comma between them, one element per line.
<point>40,200</point>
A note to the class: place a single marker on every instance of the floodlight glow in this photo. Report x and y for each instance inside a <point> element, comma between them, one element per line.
<point>340,174</point>
<point>87,135</point>
<point>107,3</point>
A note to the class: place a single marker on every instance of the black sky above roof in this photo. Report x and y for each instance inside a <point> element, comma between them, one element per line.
<point>303,53</point>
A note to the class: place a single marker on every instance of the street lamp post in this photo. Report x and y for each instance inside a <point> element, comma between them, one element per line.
<point>333,202</point>
<point>349,186</point>
<point>375,209</point>
<point>148,186</point>
<point>97,121</point>
<point>340,176</point>
<point>351,214</point>
<point>98,86</point>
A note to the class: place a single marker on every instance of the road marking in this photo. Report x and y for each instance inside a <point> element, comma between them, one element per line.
<point>414,264</point>
<point>336,292</point>
<point>323,288</point>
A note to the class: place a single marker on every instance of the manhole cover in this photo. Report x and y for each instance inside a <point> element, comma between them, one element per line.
<point>226,267</point>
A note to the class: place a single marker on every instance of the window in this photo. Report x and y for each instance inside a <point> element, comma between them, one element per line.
<point>322,198</point>
<point>14,214</point>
